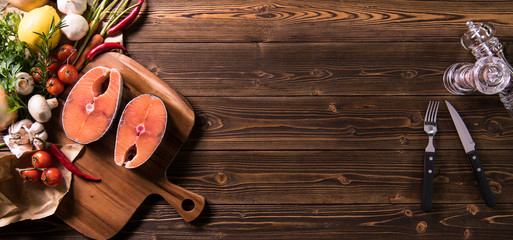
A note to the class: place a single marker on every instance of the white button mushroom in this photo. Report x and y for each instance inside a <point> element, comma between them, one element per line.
<point>72,6</point>
<point>76,27</point>
<point>40,108</point>
<point>24,84</point>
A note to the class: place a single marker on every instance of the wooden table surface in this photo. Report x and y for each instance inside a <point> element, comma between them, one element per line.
<point>309,121</point>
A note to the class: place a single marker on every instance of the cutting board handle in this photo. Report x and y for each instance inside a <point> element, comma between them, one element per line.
<point>188,204</point>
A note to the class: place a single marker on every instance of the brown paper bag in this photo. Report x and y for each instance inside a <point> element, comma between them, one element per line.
<point>21,201</point>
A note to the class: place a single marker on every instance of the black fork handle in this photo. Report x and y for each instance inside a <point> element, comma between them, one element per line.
<point>429,172</point>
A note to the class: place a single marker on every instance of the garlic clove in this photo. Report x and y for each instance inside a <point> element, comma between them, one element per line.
<point>41,135</point>
<point>18,127</point>
<point>37,127</point>
<point>18,133</point>
<point>16,149</point>
<point>39,144</point>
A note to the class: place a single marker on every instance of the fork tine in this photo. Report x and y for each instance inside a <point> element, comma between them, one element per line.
<point>432,112</point>
<point>426,118</point>
<point>436,110</point>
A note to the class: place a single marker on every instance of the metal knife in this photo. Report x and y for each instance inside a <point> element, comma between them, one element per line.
<point>470,149</point>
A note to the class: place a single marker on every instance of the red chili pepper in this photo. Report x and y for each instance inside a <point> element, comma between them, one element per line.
<point>104,47</point>
<point>68,164</point>
<point>127,20</point>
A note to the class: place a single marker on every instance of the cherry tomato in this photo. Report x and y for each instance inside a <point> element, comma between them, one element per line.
<point>53,66</point>
<point>41,159</point>
<point>54,86</point>
<point>67,54</point>
<point>30,175</point>
<point>51,177</point>
<point>68,73</point>
<point>36,74</point>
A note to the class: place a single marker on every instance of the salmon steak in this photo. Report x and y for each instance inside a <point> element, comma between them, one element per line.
<point>141,128</point>
<point>91,106</point>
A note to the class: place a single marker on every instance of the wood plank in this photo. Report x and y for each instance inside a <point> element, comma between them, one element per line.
<point>361,221</point>
<point>301,69</point>
<point>315,21</point>
<point>342,123</point>
<point>337,177</point>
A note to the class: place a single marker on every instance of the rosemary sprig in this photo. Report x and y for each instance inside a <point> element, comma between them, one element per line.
<point>43,56</point>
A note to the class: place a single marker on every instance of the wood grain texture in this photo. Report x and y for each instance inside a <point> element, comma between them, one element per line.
<point>301,69</point>
<point>315,21</point>
<point>360,221</point>
<point>339,122</point>
<point>337,177</point>
<point>309,121</point>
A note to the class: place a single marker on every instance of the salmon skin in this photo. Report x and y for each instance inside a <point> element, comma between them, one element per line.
<point>140,131</point>
<point>92,104</point>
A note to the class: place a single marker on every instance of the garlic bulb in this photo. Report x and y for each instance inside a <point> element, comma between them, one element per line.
<point>72,6</point>
<point>24,136</point>
<point>76,27</point>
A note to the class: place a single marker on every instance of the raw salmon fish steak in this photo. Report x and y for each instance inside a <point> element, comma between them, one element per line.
<point>141,128</point>
<point>92,104</point>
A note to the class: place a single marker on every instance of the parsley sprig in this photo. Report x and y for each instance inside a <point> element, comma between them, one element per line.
<point>15,57</point>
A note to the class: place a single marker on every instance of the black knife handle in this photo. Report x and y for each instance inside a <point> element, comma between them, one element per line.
<point>481,178</point>
<point>429,171</point>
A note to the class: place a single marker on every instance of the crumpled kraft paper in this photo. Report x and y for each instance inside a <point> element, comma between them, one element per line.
<point>21,201</point>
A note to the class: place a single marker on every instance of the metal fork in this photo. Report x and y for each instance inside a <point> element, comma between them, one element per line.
<point>430,127</point>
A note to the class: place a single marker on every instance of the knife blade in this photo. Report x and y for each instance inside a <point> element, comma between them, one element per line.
<point>470,150</point>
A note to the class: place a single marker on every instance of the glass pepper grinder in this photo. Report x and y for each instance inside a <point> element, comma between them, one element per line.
<point>490,74</point>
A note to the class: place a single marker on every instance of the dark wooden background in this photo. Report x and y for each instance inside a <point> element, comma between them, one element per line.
<point>309,121</point>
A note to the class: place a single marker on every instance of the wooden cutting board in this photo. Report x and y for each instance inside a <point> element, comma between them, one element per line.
<point>100,209</point>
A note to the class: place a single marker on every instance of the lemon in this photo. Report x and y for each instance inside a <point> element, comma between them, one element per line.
<point>27,5</point>
<point>38,20</point>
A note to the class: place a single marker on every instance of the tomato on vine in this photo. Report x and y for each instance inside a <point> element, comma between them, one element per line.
<point>41,159</point>
<point>51,177</point>
<point>53,66</point>
<point>68,73</point>
<point>67,54</point>
<point>54,86</point>
<point>30,175</point>
<point>36,74</point>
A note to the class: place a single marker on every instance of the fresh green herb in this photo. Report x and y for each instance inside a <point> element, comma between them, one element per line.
<point>15,57</point>
<point>43,58</point>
